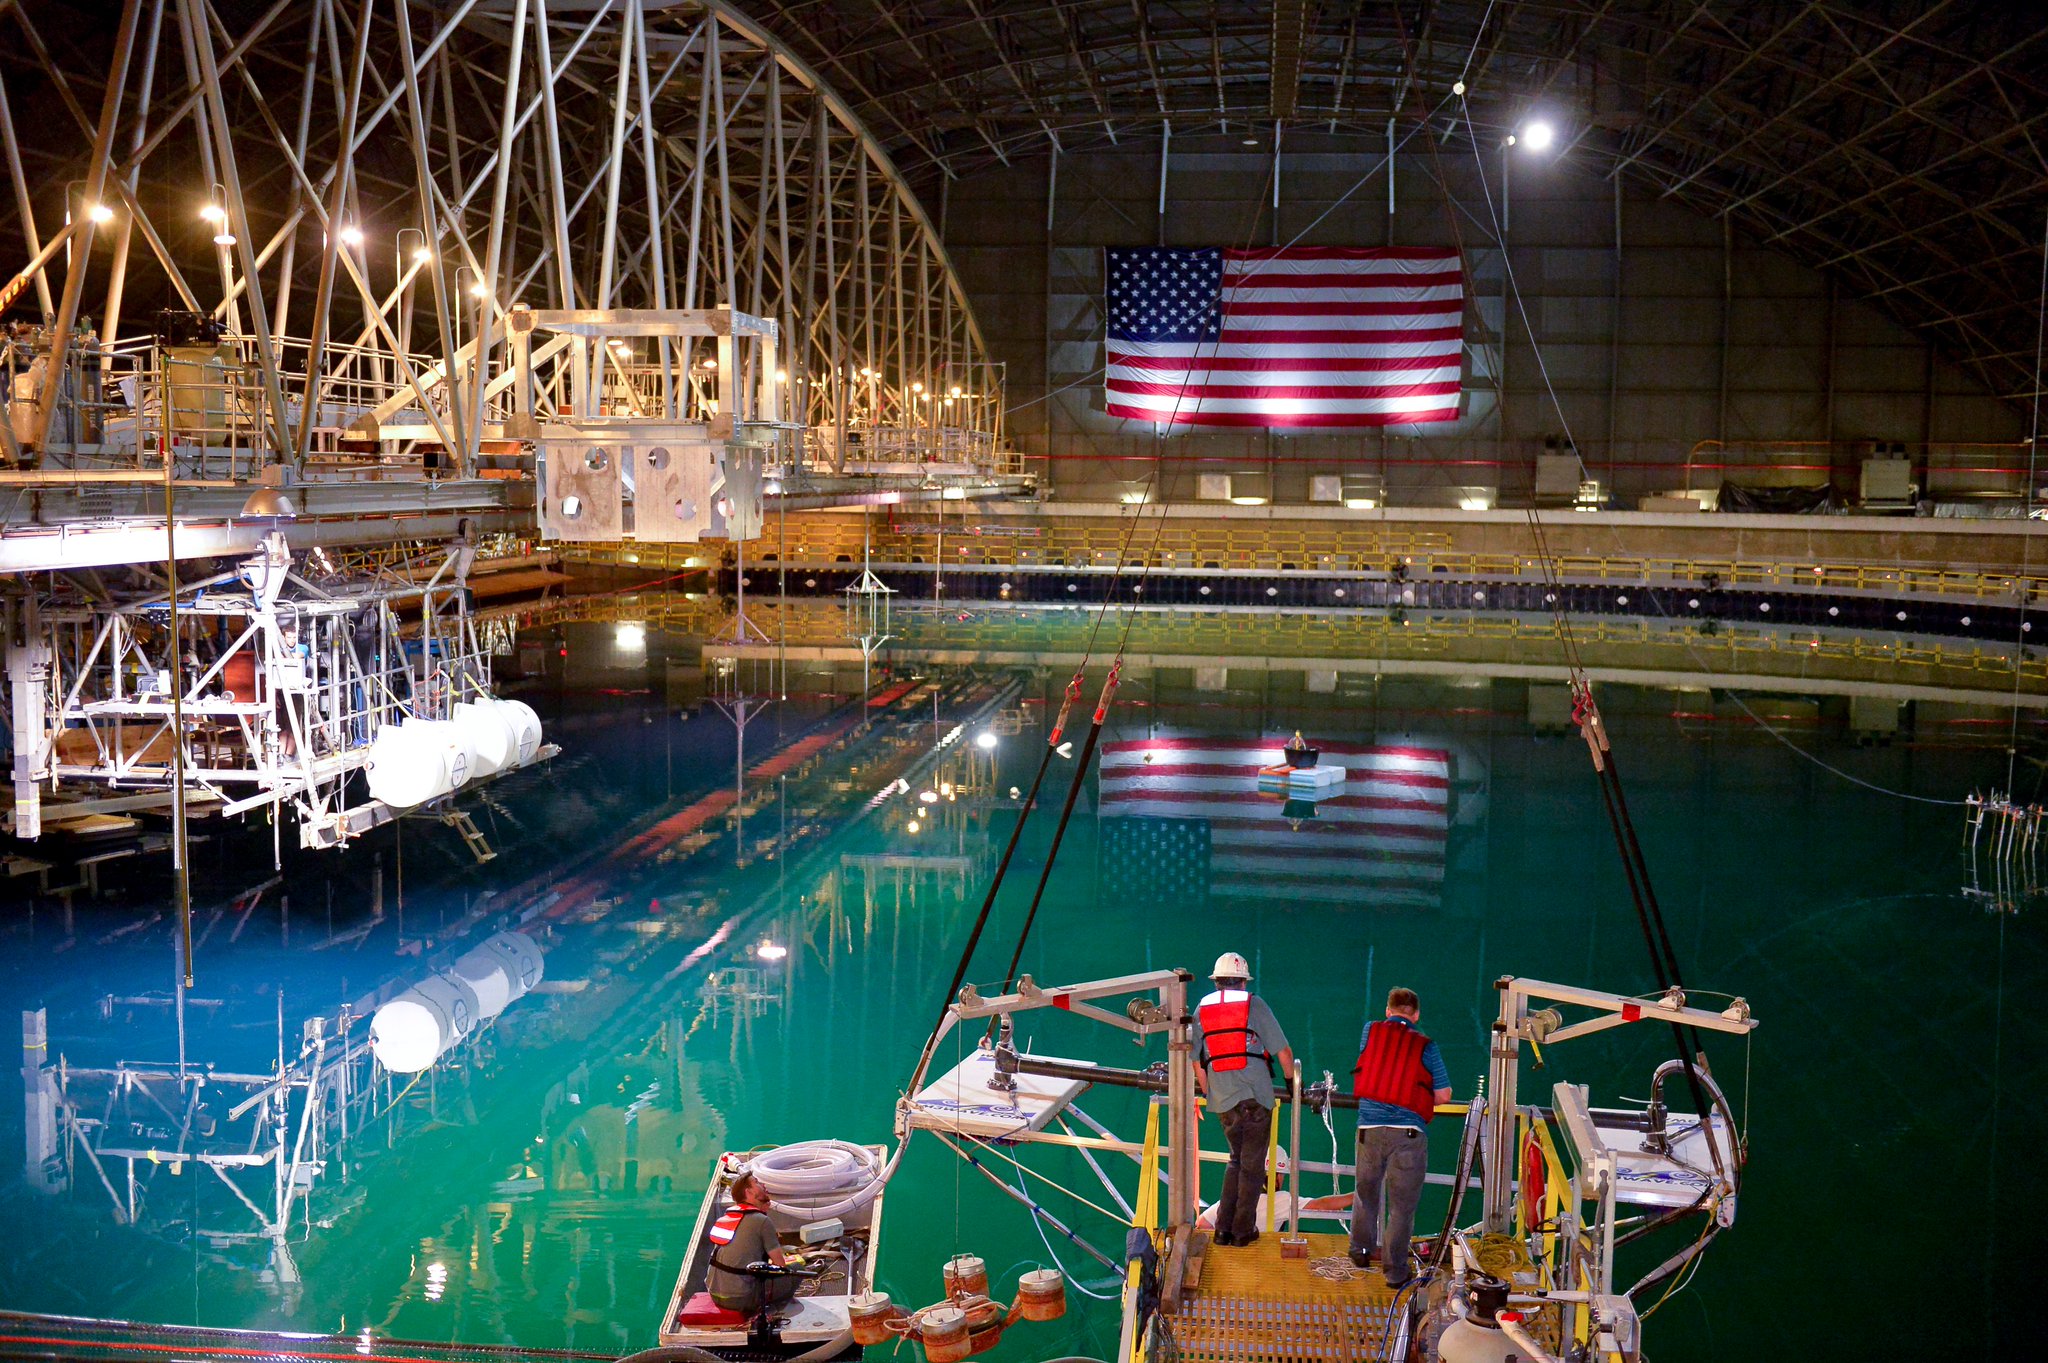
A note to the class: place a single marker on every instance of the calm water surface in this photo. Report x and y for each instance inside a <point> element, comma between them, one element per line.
<point>546,1199</point>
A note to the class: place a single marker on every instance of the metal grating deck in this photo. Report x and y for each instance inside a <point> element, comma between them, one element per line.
<point>1252,1306</point>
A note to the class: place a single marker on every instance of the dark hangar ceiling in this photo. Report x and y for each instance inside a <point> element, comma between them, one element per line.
<point>1897,146</point>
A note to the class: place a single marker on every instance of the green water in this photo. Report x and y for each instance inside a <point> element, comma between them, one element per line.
<point>1889,1092</point>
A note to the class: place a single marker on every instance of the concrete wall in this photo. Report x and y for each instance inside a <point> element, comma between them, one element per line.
<point>1655,330</point>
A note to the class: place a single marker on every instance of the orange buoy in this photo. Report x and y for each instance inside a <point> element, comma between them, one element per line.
<point>944,1329</point>
<point>869,1313</point>
<point>965,1273</point>
<point>1042,1294</point>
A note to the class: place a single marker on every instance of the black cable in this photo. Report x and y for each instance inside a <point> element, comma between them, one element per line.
<point>1060,830</point>
<point>1663,961</point>
<point>988,903</point>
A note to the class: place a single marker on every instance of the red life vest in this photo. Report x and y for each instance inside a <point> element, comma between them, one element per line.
<point>1226,1019</point>
<point>728,1225</point>
<point>1390,1069</point>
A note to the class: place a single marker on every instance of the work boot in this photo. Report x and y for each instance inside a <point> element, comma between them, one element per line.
<point>1361,1258</point>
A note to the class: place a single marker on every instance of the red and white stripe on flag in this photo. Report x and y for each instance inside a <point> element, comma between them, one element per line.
<point>1380,838</point>
<point>1309,336</point>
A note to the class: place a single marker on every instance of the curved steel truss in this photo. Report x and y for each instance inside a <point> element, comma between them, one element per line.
<point>354,191</point>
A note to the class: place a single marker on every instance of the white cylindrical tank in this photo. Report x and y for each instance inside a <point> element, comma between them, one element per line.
<point>525,728</point>
<point>448,738</point>
<point>405,768</point>
<point>412,1031</point>
<point>486,730</point>
<point>1468,1341</point>
<point>499,971</point>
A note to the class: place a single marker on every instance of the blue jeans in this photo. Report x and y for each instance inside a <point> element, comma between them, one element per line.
<point>1397,1156</point>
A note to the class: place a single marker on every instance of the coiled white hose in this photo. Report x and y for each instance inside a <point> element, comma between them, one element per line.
<point>818,1180</point>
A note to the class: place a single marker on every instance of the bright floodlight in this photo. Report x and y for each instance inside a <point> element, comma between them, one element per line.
<point>422,254</point>
<point>985,741</point>
<point>476,290</point>
<point>1537,135</point>
<point>101,213</point>
<point>351,235</point>
<point>214,213</point>
<point>771,951</point>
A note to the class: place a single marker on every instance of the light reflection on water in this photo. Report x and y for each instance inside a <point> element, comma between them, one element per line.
<point>546,1196</point>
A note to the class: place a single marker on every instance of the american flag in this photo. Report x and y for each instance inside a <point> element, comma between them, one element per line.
<point>1290,336</point>
<point>1379,838</point>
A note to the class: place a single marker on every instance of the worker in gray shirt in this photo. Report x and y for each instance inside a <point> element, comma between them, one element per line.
<point>743,1240</point>
<point>1238,1029</point>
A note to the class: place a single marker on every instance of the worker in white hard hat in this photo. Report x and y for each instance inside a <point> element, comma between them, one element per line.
<point>1238,1028</point>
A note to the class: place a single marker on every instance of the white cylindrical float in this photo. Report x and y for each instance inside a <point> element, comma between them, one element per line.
<point>499,971</point>
<point>412,1031</point>
<point>448,738</point>
<point>486,730</point>
<point>405,769</point>
<point>525,728</point>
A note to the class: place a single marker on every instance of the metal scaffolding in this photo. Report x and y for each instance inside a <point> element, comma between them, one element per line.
<point>375,191</point>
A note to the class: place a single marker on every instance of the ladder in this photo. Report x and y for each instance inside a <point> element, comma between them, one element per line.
<point>459,820</point>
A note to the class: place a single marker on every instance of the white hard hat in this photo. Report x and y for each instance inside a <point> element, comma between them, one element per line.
<point>1231,966</point>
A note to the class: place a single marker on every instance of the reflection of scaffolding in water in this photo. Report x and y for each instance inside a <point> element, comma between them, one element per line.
<point>909,877</point>
<point>867,608</point>
<point>742,992</point>
<point>2004,841</point>
<point>268,1138</point>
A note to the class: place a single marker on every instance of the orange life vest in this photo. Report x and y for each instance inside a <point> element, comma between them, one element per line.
<point>1390,1069</point>
<point>1226,1016</point>
<point>725,1228</point>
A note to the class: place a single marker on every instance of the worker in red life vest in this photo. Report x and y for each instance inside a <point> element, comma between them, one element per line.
<point>740,1239</point>
<point>1241,1040</point>
<point>1399,1079</point>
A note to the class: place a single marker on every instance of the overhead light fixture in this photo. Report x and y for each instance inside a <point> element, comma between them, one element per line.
<point>985,740</point>
<point>269,503</point>
<point>770,951</point>
<point>422,254</point>
<point>782,376</point>
<point>917,387</point>
<point>351,235</point>
<point>100,213</point>
<point>476,290</point>
<point>955,391</point>
<point>1537,135</point>
<point>1458,87</point>
<point>710,364</point>
<point>213,212</point>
